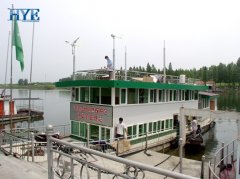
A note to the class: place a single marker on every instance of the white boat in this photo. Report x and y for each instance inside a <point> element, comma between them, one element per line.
<point>149,107</point>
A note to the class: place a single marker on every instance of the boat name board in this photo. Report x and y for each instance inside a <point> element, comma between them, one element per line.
<point>94,114</point>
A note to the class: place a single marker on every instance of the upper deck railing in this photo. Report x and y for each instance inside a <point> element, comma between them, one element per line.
<point>103,74</point>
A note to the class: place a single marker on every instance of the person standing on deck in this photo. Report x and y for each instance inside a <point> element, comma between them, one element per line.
<point>109,63</point>
<point>120,129</point>
<point>194,126</point>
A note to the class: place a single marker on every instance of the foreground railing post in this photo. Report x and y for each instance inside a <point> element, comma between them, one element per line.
<point>209,170</point>
<point>146,142</point>
<point>222,154</point>
<point>117,146</point>
<point>233,151</point>
<point>11,143</point>
<point>180,154</point>
<point>202,167</point>
<point>32,141</point>
<point>72,169</point>
<point>1,139</point>
<point>88,135</point>
<point>49,132</point>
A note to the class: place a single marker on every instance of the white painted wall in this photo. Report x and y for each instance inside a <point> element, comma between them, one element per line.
<point>141,113</point>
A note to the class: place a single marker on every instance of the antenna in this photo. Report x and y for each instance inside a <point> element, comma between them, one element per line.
<point>164,63</point>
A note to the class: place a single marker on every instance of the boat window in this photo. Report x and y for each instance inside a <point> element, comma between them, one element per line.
<point>117,95</point>
<point>123,96</point>
<point>170,123</point>
<point>129,131</point>
<point>94,132</point>
<point>190,94</point>
<point>196,95</point>
<point>167,95</point>
<point>142,128</point>
<point>106,95</point>
<point>180,95</point>
<point>159,126</point>
<point>84,94</point>
<point>153,94</point>
<point>162,125</point>
<point>154,127</point>
<point>161,95</point>
<point>150,127</point>
<point>187,95</point>
<point>175,95</point>
<point>105,133</point>
<point>94,95</point>
<point>170,95</point>
<point>132,96</point>
<point>143,95</point>
<point>75,128</point>
<point>183,94</point>
<point>75,93</point>
<point>83,130</point>
<point>132,131</point>
<point>167,124</point>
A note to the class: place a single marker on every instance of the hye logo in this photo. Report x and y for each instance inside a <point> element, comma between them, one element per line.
<point>26,15</point>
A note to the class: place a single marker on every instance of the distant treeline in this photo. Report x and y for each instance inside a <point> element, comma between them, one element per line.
<point>35,85</point>
<point>222,74</point>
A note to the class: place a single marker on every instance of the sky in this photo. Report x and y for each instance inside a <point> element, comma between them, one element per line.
<point>196,32</point>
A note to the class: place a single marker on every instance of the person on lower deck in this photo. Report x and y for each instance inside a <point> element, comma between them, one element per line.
<point>198,131</point>
<point>194,126</point>
<point>120,129</point>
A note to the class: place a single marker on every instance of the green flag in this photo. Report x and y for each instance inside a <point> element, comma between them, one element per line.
<point>16,41</point>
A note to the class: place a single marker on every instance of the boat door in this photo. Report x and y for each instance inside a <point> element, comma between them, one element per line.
<point>212,104</point>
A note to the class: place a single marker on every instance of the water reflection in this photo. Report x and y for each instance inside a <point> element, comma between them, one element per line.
<point>229,100</point>
<point>55,105</point>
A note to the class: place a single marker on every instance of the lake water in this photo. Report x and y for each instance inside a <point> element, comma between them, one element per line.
<point>54,103</point>
<point>56,109</point>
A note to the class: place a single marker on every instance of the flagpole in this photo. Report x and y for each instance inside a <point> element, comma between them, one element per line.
<point>5,82</point>
<point>30,81</point>
<point>11,74</point>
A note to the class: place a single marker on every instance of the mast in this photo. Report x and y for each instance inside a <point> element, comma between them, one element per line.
<point>113,36</point>
<point>125,63</point>
<point>164,63</point>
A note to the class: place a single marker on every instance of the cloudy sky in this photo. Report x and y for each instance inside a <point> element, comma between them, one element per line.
<point>197,33</point>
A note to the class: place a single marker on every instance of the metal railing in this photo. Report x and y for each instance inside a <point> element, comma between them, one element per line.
<point>22,143</point>
<point>100,74</point>
<point>71,160</point>
<point>227,154</point>
<point>63,130</point>
<point>74,161</point>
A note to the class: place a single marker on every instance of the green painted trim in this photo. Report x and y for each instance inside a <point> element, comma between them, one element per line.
<point>143,138</point>
<point>128,84</point>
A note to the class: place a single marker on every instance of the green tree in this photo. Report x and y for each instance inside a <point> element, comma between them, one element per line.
<point>148,68</point>
<point>170,69</point>
<point>20,82</point>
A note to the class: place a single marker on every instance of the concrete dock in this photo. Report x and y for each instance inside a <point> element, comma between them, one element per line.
<point>164,161</point>
<point>13,168</point>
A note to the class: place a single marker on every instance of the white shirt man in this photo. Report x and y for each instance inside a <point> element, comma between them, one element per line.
<point>120,128</point>
<point>194,126</point>
<point>109,63</point>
